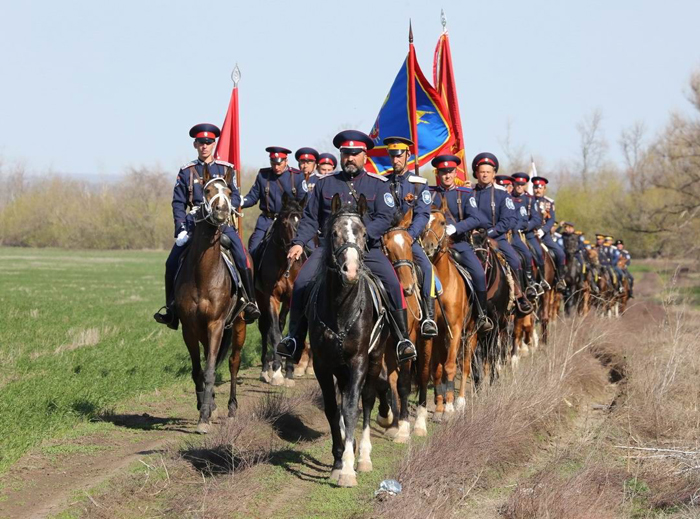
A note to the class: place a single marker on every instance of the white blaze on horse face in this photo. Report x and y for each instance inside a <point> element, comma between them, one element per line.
<point>352,257</point>
<point>430,220</point>
<point>398,240</point>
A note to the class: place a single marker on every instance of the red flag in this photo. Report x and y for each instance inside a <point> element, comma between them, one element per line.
<point>229,146</point>
<point>444,80</point>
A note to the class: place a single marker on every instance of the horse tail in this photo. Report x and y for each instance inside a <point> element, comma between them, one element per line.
<point>226,340</point>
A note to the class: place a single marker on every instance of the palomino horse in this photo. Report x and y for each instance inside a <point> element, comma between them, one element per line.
<point>205,297</point>
<point>396,244</point>
<point>274,278</point>
<point>456,323</point>
<point>492,347</point>
<point>341,320</point>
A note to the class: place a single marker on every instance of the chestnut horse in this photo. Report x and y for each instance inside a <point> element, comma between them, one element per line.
<point>205,297</point>
<point>396,245</point>
<point>547,309</point>
<point>456,323</point>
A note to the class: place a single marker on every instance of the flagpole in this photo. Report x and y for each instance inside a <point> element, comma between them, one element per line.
<point>412,94</point>
<point>236,77</point>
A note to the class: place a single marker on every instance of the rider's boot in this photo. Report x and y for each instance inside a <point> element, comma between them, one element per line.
<point>405,349</point>
<point>428,328</point>
<point>531,291</point>
<point>292,346</point>
<point>543,282</point>
<point>561,278</point>
<point>251,311</point>
<point>521,301</point>
<point>168,317</point>
<point>483,323</point>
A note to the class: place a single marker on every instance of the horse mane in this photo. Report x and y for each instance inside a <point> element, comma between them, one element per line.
<point>396,219</point>
<point>292,205</point>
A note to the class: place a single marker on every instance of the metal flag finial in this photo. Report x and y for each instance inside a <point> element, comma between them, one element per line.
<point>443,19</point>
<point>410,31</point>
<point>236,75</point>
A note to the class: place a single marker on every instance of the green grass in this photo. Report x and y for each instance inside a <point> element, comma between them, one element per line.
<point>77,336</point>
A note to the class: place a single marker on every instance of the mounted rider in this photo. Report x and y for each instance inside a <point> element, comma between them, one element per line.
<point>269,188</point>
<point>463,217</point>
<point>624,253</point>
<point>499,210</point>
<point>545,206</point>
<point>307,159</point>
<point>325,166</point>
<point>350,184</point>
<point>526,223</point>
<point>411,192</point>
<point>614,256</point>
<point>187,195</point>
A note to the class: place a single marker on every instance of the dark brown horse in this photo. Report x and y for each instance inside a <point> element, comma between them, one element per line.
<point>341,323</point>
<point>275,277</point>
<point>396,244</point>
<point>548,301</point>
<point>456,322</point>
<point>205,297</point>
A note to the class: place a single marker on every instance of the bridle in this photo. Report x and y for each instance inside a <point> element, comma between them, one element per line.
<point>336,254</point>
<point>401,262</point>
<point>441,248</point>
<point>205,210</point>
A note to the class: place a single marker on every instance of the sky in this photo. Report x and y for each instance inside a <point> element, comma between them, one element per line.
<point>92,88</point>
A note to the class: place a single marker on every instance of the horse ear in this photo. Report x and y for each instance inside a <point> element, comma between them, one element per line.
<point>285,199</point>
<point>362,205</point>
<point>407,219</point>
<point>206,176</point>
<point>336,204</point>
<point>228,176</point>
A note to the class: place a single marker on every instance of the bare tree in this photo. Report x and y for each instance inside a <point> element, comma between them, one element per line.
<point>632,144</point>
<point>515,155</point>
<point>593,144</point>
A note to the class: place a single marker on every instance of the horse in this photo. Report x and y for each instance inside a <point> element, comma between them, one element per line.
<point>623,297</point>
<point>547,309</point>
<point>396,245</point>
<point>274,278</point>
<point>341,324</point>
<point>578,292</point>
<point>205,299</point>
<point>492,348</point>
<point>456,324</point>
<point>605,298</point>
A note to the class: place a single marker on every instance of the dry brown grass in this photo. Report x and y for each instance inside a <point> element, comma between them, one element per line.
<point>502,427</point>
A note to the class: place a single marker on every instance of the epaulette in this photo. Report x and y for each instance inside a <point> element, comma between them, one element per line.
<point>548,199</point>
<point>496,186</point>
<point>224,163</point>
<point>191,163</point>
<point>294,170</point>
<point>433,188</point>
<point>464,189</point>
<point>380,177</point>
<point>417,180</point>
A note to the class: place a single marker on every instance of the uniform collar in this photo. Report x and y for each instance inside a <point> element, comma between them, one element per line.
<point>201,162</point>
<point>351,178</point>
<point>479,188</point>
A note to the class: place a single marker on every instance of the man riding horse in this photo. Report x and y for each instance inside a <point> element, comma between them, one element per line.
<point>411,192</point>
<point>187,194</point>
<point>269,188</point>
<point>545,206</point>
<point>625,270</point>
<point>498,208</point>
<point>463,216</point>
<point>526,223</point>
<point>349,184</point>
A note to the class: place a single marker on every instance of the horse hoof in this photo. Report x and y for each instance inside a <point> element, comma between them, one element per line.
<point>392,432</point>
<point>420,431</point>
<point>524,350</point>
<point>335,475</point>
<point>310,371</point>
<point>299,372</point>
<point>460,403</point>
<point>277,380</point>
<point>514,361</point>
<point>385,422</point>
<point>289,382</point>
<point>264,377</point>
<point>203,428</point>
<point>437,417</point>
<point>364,466</point>
<point>401,438</point>
<point>347,480</point>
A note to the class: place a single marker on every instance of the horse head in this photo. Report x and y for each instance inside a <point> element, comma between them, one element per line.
<point>288,220</point>
<point>396,244</point>
<point>570,244</point>
<point>435,232</point>
<point>347,238</point>
<point>217,207</point>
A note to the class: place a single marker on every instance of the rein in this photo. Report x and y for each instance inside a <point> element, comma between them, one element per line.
<point>205,210</point>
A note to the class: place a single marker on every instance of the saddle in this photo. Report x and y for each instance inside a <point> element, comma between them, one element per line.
<point>455,256</point>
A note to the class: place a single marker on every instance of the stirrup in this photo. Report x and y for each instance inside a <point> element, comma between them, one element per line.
<point>531,292</point>
<point>251,312</point>
<point>484,324</point>
<point>162,318</point>
<point>282,348</point>
<point>520,304</point>
<point>538,288</point>
<point>430,333</point>
<point>545,286</point>
<point>408,353</point>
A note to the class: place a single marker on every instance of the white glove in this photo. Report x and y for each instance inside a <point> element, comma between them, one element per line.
<point>539,233</point>
<point>450,230</point>
<point>182,238</point>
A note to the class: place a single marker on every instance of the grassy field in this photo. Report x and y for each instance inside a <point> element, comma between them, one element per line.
<point>77,336</point>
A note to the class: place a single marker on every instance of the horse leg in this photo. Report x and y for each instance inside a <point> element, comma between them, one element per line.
<point>438,374</point>
<point>393,378</point>
<point>234,363</point>
<point>192,342</point>
<point>330,408</point>
<point>404,390</point>
<point>469,352</point>
<point>263,326</point>
<point>451,369</point>
<point>215,331</point>
<point>424,356</point>
<point>274,336</point>
<point>349,411</point>
<point>517,342</point>
<point>369,395</point>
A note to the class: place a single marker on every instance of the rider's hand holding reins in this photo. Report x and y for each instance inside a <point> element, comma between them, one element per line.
<point>294,252</point>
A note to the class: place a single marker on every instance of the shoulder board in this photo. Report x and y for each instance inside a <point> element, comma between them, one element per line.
<point>548,199</point>
<point>223,163</point>
<point>464,189</point>
<point>433,188</point>
<point>185,166</point>
<point>380,177</point>
<point>294,170</point>
<point>496,186</point>
<point>625,251</point>
<point>417,180</point>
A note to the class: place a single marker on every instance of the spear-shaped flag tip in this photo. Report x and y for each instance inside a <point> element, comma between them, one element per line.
<point>410,31</point>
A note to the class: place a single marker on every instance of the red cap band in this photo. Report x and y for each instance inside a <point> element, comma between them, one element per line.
<point>278,155</point>
<point>447,164</point>
<point>539,182</point>
<point>485,160</point>
<point>325,160</point>
<point>307,156</point>
<point>506,182</point>
<point>354,144</point>
<point>205,135</point>
<point>520,180</point>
